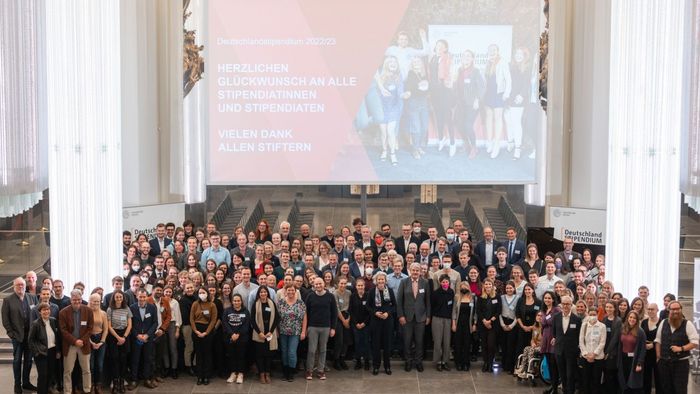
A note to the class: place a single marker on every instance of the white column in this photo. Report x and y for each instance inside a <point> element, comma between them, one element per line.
<point>646,71</point>
<point>84,127</point>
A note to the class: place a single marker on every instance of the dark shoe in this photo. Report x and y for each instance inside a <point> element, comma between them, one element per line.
<point>466,367</point>
<point>366,365</point>
<point>191,371</point>
<point>132,385</point>
<point>149,384</point>
<point>158,379</point>
<point>200,381</point>
<point>358,365</point>
<point>445,367</point>
<point>205,381</point>
<point>29,387</point>
<point>375,371</point>
<point>336,365</point>
<point>407,366</point>
<point>387,371</point>
<point>419,367</point>
<point>438,367</point>
<point>485,367</point>
<point>343,365</point>
<point>173,373</point>
<point>18,389</point>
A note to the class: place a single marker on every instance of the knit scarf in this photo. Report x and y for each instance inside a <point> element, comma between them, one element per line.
<point>259,322</point>
<point>379,294</point>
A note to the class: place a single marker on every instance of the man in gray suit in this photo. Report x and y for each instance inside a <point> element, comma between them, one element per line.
<point>413,310</point>
<point>16,316</point>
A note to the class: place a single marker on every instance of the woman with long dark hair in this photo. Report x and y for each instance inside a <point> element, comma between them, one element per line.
<point>236,326</point>
<point>631,354</point>
<point>463,325</point>
<point>264,316</point>
<point>549,309</point>
<point>119,316</point>
<point>203,319</point>
<point>525,313</point>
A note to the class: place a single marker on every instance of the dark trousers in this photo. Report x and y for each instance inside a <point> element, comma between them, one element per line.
<point>566,364</point>
<point>203,348</point>
<point>463,343</point>
<point>651,372</point>
<point>341,340</point>
<point>160,350</point>
<point>382,331</point>
<point>117,355</point>
<point>361,343</point>
<point>45,366</point>
<point>610,381</point>
<point>675,376</point>
<point>553,369</point>
<point>592,373</point>
<point>488,344</point>
<point>236,354</point>
<point>413,334</point>
<point>263,356</point>
<point>509,340</point>
<point>524,339</point>
<point>21,361</point>
<point>142,359</point>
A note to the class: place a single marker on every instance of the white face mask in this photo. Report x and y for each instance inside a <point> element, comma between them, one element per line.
<point>592,320</point>
<point>203,297</point>
<point>368,271</point>
<point>416,230</point>
<point>450,237</point>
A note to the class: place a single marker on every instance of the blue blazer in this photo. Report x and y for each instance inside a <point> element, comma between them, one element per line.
<point>155,246</point>
<point>519,251</point>
<point>149,325</point>
<point>480,250</point>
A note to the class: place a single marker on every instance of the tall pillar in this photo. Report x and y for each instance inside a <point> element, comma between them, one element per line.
<point>84,129</point>
<point>646,70</point>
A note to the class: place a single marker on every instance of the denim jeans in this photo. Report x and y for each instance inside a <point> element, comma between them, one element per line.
<point>288,347</point>
<point>21,361</point>
<point>361,342</point>
<point>97,360</point>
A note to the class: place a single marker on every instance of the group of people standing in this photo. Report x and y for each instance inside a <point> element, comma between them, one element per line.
<point>188,303</point>
<point>413,83</point>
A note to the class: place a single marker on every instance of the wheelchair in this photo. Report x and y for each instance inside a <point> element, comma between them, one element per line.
<point>533,370</point>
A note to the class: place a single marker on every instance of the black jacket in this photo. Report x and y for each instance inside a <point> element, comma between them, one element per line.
<point>37,339</point>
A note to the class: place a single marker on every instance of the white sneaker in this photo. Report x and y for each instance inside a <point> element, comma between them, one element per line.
<point>442,143</point>
<point>516,154</point>
<point>239,379</point>
<point>453,150</point>
<point>232,378</point>
<point>383,156</point>
<point>496,150</point>
<point>532,155</point>
<point>489,146</point>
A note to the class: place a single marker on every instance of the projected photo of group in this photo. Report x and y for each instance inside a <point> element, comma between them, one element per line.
<point>375,92</point>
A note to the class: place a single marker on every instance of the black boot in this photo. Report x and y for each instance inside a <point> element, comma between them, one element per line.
<point>358,364</point>
<point>291,372</point>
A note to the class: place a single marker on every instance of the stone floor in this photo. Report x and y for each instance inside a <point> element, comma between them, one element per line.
<point>429,381</point>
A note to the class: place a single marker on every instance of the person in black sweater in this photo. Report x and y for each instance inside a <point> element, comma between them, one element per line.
<point>236,326</point>
<point>441,304</point>
<point>322,315</point>
<point>359,322</point>
<point>381,304</point>
<point>488,308</point>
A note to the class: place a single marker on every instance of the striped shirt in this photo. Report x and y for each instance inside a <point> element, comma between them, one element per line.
<point>118,318</point>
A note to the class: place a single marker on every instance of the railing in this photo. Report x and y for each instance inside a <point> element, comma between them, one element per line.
<point>255,217</point>
<point>473,221</point>
<point>511,220</point>
<point>293,216</point>
<point>222,211</point>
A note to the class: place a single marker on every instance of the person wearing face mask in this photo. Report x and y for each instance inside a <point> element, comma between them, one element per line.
<point>203,318</point>
<point>135,271</point>
<point>463,326</point>
<point>592,345</point>
<point>441,305</point>
<point>418,232</point>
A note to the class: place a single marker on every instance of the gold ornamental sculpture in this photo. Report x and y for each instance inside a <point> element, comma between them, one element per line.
<point>193,63</point>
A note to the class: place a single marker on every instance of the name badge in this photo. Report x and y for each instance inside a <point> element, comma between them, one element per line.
<point>122,318</point>
<point>364,302</point>
<point>421,291</point>
<point>449,302</point>
<point>32,306</point>
<point>267,309</point>
<point>537,307</point>
<point>609,329</point>
<point>517,252</point>
<point>345,260</point>
<point>83,323</point>
<point>241,315</point>
<point>572,325</point>
<point>247,259</point>
<point>571,257</point>
<point>147,315</point>
<point>548,317</point>
<point>162,309</point>
<point>630,354</point>
<point>467,80</point>
<point>349,285</point>
<point>205,312</point>
<point>341,301</point>
<point>494,301</point>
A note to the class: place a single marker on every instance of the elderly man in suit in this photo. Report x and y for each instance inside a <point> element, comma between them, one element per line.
<point>16,316</point>
<point>566,327</point>
<point>487,247</point>
<point>413,311</point>
<point>76,322</point>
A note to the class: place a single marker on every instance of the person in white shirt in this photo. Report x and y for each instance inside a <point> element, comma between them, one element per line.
<point>675,338</point>
<point>591,341</point>
<point>546,282</point>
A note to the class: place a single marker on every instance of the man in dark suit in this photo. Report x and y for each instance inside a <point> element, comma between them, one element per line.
<point>16,315</point>
<point>357,267</point>
<point>160,242</point>
<point>514,246</point>
<point>413,311</point>
<point>144,325</point>
<point>568,255</point>
<point>486,248</point>
<point>404,240</point>
<point>565,328</point>
<point>76,322</point>
<point>441,250</point>
<point>418,232</point>
<point>366,241</point>
<point>330,235</point>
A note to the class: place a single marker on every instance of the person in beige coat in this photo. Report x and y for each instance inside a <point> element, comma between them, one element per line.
<point>592,344</point>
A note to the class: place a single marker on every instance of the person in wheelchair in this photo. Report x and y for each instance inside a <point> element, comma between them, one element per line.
<point>522,370</point>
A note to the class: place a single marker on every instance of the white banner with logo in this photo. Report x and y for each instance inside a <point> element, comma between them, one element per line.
<point>143,219</point>
<point>584,226</point>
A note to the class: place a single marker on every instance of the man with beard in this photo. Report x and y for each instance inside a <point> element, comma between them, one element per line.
<point>675,338</point>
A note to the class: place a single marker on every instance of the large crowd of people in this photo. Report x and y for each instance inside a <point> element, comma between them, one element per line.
<point>195,301</point>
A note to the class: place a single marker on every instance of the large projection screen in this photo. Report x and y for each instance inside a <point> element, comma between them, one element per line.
<point>373,92</point>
